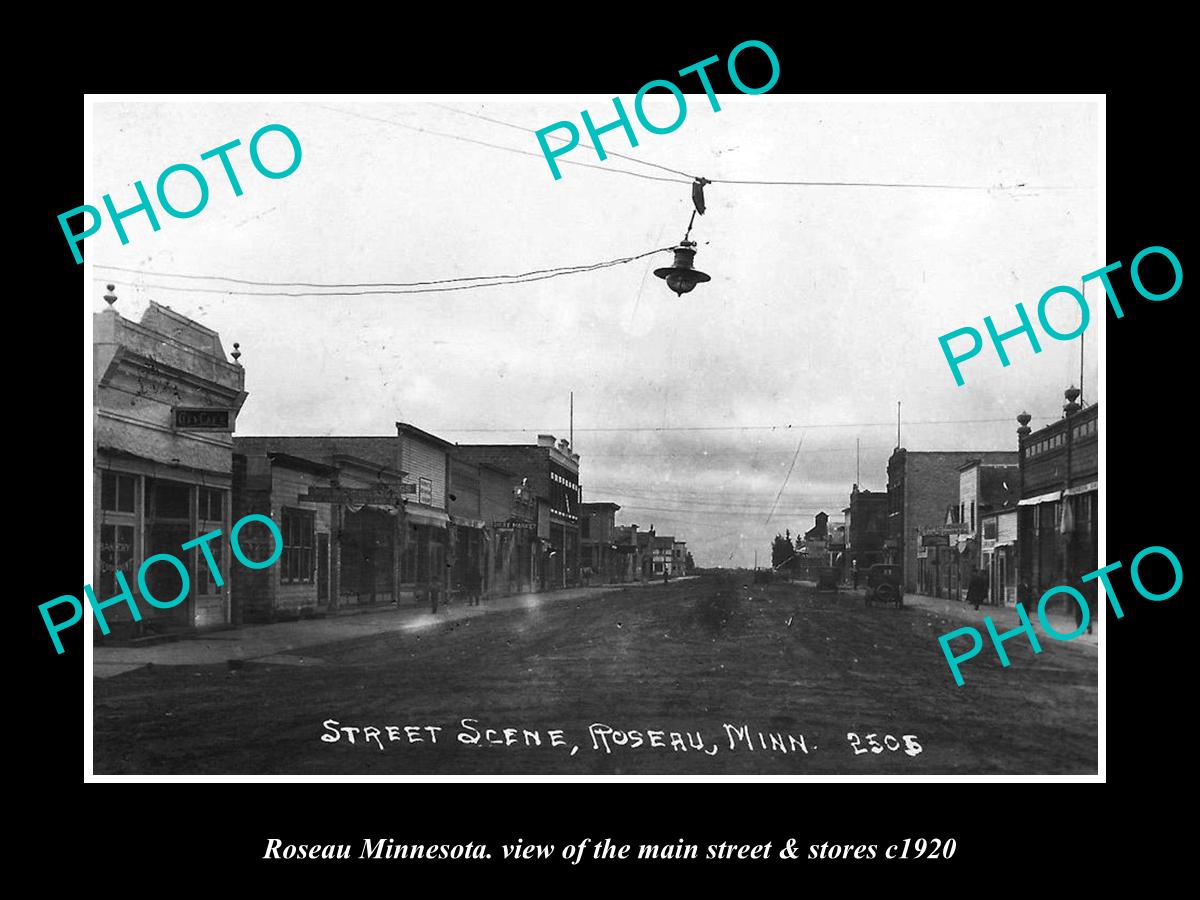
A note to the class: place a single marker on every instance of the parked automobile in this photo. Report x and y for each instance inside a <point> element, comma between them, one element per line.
<point>885,585</point>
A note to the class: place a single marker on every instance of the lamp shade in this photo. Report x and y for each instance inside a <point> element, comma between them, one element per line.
<point>682,277</point>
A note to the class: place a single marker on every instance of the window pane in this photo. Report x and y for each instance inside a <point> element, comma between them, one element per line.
<point>171,500</point>
<point>108,542</point>
<point>108,491</point>
<point>116,492</point>
<point>216,508</point>
<point>125,485</point>
<point>207,582</point>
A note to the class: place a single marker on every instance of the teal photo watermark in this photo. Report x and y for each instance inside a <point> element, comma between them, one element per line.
<point>1026,627</point>
<point>185,170</point>
<point>1026,327</point>
<point>622,120</point>
<point>126,595</point>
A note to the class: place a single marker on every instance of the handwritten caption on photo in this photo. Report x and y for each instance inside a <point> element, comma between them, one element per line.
<point>1085,316</point>
<point>126,595</point>
<point>606,849</point>
<point>1026,628</point>
<point>604,738</point>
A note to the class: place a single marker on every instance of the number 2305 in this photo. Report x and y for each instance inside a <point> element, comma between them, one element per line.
<point>890,743</point>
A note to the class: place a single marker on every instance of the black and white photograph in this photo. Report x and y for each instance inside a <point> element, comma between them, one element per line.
<point>530,436</point>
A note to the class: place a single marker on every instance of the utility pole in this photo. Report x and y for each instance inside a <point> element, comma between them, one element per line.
<point>1081,403</point>
<point>572,436</point>
<point>857,464</point>
<point>897,424</point>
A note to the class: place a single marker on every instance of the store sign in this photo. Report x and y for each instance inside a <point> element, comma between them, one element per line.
<point>381,494</point>
<point>514,525</point>
<point>202,419</point>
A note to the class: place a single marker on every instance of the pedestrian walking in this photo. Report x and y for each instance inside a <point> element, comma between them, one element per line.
<point>977,589</point>
<point>474,583</point>
<point>854,574</point>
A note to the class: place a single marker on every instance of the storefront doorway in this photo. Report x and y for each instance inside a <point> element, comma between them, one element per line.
<point>367,551</point>
<point>168,527</point>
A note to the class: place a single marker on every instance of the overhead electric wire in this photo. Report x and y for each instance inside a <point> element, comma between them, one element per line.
<point>723,454</point>
<point>686,504</point>
<point>564,140</point>
<point>785,479</point>
<point>380,284</point>
<point>748,514</point>
<point>891,424</point>
<point>575,270</point>
<point>458,137</point>
<point>883,184</point>
<point>719,495</point>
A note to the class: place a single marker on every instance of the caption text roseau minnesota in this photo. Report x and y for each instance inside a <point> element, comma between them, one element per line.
<point>604,849</point>
<point>604,738</point>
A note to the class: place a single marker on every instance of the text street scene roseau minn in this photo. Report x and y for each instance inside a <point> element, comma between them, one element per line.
<point>516,437</point>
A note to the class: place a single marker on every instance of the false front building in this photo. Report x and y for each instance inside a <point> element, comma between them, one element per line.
<point>1057,513</point>
<point>549,473</point>
<point>165,404</point>
<point>923,513</point>
<point>379,503</point>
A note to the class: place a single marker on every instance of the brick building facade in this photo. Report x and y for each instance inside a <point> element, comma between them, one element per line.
<point>1057,515</point>
<point>866,521</point>
<point>549,471</point>
<point>922,487</point>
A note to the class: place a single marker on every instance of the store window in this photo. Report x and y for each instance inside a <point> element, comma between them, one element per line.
<point>298,540</point>
<point>205,577</point>
<point>210,510</point>
<point>116,555</point>
<point>212,505</point>
<point>170,500</point>
<point>116,492</point>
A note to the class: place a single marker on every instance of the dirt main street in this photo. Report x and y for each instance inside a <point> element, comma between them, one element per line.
<point>709,676</point>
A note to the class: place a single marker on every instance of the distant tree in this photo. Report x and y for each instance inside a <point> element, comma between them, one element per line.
<point>781,549</point>
<point>689,564</point>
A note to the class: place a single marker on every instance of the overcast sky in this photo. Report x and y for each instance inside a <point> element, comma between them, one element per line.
<point>824,308</point>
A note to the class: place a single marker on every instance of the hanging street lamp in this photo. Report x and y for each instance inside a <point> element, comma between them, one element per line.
<point>682,277</point>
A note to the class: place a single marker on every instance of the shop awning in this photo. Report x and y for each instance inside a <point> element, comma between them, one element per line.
<point>467,523</point>
<point>1041,498</point>
<point>424,516</point>
<point>1082,489</point>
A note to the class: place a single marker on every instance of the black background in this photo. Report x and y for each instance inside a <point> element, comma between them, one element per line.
<point>213,834</point>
